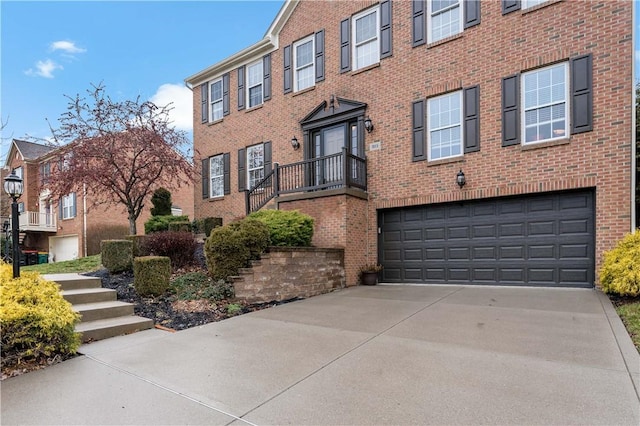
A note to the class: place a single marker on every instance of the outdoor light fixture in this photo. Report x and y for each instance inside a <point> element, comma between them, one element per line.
<point>368,124</point>
<point>294,143</point>
<point>460,179</point>
<point>13,186</point>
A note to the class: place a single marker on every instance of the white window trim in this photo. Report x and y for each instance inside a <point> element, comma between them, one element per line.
<point>219,157</point>
<point>249,170</point>
<point>460,124</point>
<point>305,40</point>
<point>528,4</point>
<point>567,112</point>
<point>19,171</point>
<point>249,87</point>
<point>354,58</point>
<point>212,101</point>
<point>430,21</point>
<point>67,204</point>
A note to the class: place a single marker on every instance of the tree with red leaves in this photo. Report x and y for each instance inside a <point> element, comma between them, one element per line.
<point>118,152</point>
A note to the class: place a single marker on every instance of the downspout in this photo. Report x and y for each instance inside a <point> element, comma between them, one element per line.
<point>634,164</point>
<point>84,219</point>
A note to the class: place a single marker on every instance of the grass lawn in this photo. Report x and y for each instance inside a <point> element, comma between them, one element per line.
<point>85,264</point>
<point>630,315</point>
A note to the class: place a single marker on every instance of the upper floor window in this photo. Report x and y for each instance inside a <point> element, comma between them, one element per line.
<point>18,172</point>
<point>254,84</point>
<point>216,174</point>
<point>365,38</point>
<point>526,4</point>
<point>216,100</point>
<point>68,206</point>
<point>546,110</point>
<point>366,32</point>
<point>444,19</point>
<point>445,126</point>
<point>303,64</point>
<point>45,172</point>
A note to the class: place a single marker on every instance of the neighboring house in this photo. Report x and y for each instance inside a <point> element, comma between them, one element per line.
<point>69,227</point>
<point>365,115</point>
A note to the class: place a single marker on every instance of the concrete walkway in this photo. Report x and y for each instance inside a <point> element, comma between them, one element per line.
<point>367,355</point>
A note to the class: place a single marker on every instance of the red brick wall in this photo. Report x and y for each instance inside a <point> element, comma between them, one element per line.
<point>498,47</point>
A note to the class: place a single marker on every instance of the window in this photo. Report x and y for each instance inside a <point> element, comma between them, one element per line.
<point>365,38</point>
<point>366,30</point>
<point>69,206</point>
<point>526,4</point>
<point>45,173</point>
<point>21,207</point>
<point>216,174</point>
<point>216,100</point>
<point>444,19</point>
<point>303,64</point>
<point>444,121</point>
<point>545,107</point>
<point>255,164</point>
<point>254,84</point>
<point>18,172</point>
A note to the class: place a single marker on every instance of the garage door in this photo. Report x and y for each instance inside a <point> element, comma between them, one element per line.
<point>63,248</point>
<point>537,240</point>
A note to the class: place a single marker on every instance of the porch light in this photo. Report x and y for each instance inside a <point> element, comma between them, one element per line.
<point>294,143</point>
<point>368,124</point>
<point>14,187</point>
<point>460,179</point>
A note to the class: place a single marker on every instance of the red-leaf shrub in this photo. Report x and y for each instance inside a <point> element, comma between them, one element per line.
<point>178,246</point>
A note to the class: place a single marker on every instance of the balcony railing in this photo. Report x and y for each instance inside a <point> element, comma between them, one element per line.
<point>341,170</point>
<point>36,221</point>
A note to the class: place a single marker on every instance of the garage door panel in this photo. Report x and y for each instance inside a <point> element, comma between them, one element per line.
<point>542,239</point>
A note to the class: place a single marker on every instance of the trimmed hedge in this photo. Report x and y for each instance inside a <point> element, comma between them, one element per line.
<point>620,272</point>
<point>206,224</point>
<point>184,226</point>
<point>137,245</point>
<point>161,223</point>
<point>117,255</point>
<point>287,228</point>
<point>35,319</point>
<point>180,247</point>
<point>151,275</point>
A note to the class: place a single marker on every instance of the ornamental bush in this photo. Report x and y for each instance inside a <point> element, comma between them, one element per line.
<point>117,255</point>
<point>180,247</point>
<point>151,275</point>
<point>206,224</point>
<point>288,228</point>
<point>161,223</point>
<point>620,272</point>
<point>161,200</point>
<point>184,226</point>
<point>35,319</point>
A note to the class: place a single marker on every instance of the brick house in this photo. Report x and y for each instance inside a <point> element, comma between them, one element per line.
<point>453,142</point>
<point>71,227</point>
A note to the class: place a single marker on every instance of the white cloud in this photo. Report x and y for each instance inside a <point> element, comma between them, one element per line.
<point>66,46</point>
<point>181,101</point>
<point>44,69</point>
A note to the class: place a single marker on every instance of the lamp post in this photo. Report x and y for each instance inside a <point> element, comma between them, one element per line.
<point>13,186</point>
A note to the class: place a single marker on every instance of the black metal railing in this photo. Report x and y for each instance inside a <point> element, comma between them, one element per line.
<point>341,170</point>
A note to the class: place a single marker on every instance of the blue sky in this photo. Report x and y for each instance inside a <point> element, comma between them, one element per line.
<point>50,49</point>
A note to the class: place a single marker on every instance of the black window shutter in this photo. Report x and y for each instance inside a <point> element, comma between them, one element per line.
<point>240,88</point>
<point>205,178</point>
<point>386,48</point>
<point>345,45</point>
<point>419,35</point>
<point>266,77</point>
<point>471,13</point>
<point>511,110</point>
<point>509,6</point>
<point>287,72</point>
<point>319,44</point>
<point>419,152</point>
<point>242,175</point>
<point>471,119</point>
<point>205,101</point>
<point>581,94</point>
<point>73,205</point>
<point>267,158</point>
<point>226,163</point>
<point>225,94</point>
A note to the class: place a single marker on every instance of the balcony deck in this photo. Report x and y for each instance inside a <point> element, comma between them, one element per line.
<point>37,221</point>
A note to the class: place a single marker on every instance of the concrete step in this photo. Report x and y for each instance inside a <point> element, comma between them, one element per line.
<point>89,295</point>
<point>103,310</point>
<point>105,328</point>
<point>74,281</point>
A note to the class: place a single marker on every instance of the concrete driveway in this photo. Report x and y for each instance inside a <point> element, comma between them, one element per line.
<point>364,355</point>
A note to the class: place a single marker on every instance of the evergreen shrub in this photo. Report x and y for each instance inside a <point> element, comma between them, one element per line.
<point>151,275</point>
<point>161,223</point>
<point>620,271</point>
<point>288,228</point>
<point>117,255</point>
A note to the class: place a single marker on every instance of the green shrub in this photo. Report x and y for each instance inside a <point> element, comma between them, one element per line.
<point>205,225</point>
<point>151,275</point>
<point>117,255</point>
<point>234,309</point>
<point>620,272</point>
<point>180,247</point>
<point>161,200</point>
<point>161,223</point>
<point>233,246</point>
<point>288,228</point>
<point>35,319</point>
<point>197,285</point>
<point>137,245</point>
<point>184,226</point>
<point>99,232</point>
